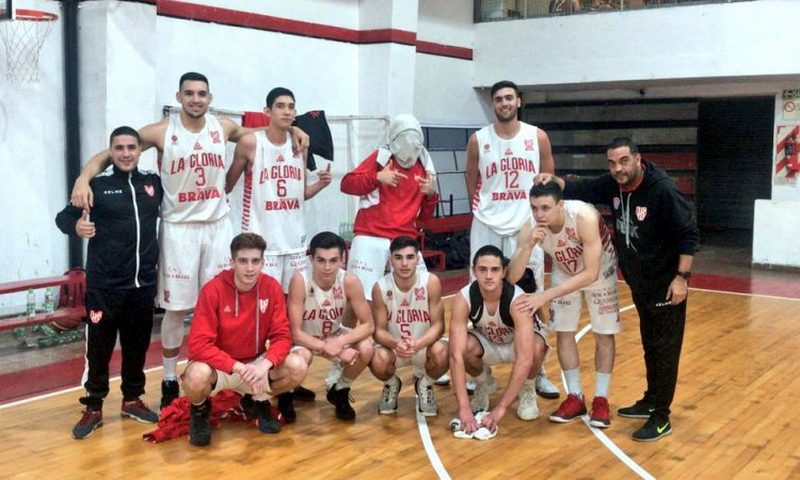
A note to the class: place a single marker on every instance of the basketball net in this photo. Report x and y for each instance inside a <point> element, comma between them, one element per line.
<point>23,38</point>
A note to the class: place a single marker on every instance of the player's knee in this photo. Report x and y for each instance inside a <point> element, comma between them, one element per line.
<point>172,330</point>
<point>297,368</point>
<point>197,377</point>
<point>365,351</point>
<point>438,352</point>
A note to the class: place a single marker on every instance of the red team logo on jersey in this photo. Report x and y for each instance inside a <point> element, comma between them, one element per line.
<point>571,234</point>
<point>197,146</point>
<point>214,136</point>
<point>389,294</point>
<point>641,213</point>
<point>616,203</point>
<point>263,304</point>
<point>150,190</point>
<point>280,158</point>
<point>404,303</point>
<point>419,293</point>
<point>509,151</point>
<point>174,139</point>
<point>562,243</point>
<point>166,296</point>
<point>326,303</point>
<point>337,293</point>
<point>95,316</point>
<point>528,144</point>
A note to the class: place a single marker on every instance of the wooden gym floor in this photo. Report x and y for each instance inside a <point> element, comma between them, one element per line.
<point>733,417</point>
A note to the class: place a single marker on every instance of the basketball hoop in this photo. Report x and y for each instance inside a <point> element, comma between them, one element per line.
<point>23,37</point>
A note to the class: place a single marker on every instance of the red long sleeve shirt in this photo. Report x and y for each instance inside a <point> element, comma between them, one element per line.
<point>388,212</point>
<point>230,326</point>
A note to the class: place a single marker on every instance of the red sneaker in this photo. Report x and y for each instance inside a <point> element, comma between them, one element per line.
<point>601,418</point>
<point>570,409</point>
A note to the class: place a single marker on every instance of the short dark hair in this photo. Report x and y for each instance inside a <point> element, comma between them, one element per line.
<point>489,250</point>
<point>623,142</point>
<point>504,84</point>
<point>245,241</point>
<point>325,240</point>
<point>402,242</point>
<point>192,76</point>
<point>278,92</point>
<point>550,188</point>
<point>124,130</point>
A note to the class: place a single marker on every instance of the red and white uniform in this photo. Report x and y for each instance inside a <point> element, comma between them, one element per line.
<point>192,169</point>
<point>323,309</point>
<point>274,192</point>
<point>506,170</point>
<point>195,233</point>
<point>409,313</point>
<point>566,250</point>
<point>496,338</point>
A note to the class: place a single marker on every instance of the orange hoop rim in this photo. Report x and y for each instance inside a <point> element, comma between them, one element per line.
<point>26,15</point>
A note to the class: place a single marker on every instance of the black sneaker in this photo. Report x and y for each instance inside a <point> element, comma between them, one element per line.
<point>341,400</point>
<point>302,394</point>
<point>640,409</point>
<point>248,406</point>
<point>286,407</point>
<point>89,422</point>
<point>655,428</point>
<point>199,424</point>
<point>266,422</point>
<point>170,390</point>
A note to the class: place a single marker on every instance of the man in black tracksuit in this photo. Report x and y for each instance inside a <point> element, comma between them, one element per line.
<point>121,277</point>
<point>656,238</point>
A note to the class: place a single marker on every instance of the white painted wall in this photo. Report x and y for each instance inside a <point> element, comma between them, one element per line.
<point>775,233</point>
<point>703,41</point>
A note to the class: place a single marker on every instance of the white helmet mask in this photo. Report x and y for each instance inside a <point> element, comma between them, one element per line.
<point>406,147</point>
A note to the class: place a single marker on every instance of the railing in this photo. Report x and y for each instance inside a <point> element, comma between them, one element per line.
<point>496,10</point>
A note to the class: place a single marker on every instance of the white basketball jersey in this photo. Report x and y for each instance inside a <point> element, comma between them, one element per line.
<point>492,325</point>
<point>323,310</point>
<point>273,196</point>
<point>409,313</point>
<point>506,170</point>
<point>192,172</point>
<point>566,246</point>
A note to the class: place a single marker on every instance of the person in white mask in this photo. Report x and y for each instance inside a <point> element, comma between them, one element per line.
<point>396,188</point>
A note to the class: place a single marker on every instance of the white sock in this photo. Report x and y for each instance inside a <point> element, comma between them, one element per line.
<point>483,377</point>
<point>343,383</point>
<point>573,377</point>
<point>603,380</point>
<point>170,368</point>
<point>530,384</point>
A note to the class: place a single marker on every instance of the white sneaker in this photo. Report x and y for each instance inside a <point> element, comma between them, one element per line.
<point>545,387</point>
<point>527,409</point>
<point>443,380</point>
<point>480,399</point>
<point>387,404</point>
<point>426,398</point>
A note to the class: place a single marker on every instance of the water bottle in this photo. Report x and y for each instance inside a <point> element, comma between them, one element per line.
<point>49,303</point>
<point>31,303</point>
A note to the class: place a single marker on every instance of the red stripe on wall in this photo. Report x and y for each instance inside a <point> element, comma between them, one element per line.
<point>236,18</point>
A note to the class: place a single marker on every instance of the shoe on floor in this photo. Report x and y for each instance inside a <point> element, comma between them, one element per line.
<point>527,409</point>
<point>200,424</point>
<point>570,409</point>
<point>387,404</point>
<point>264,419</point>
<point>170,390</point>
<point>138,410</point>
<point>655,428</point>
<point>545,388</point>
<point>426,398</point>
<point>601,415</point>
<point>89,422</point>
<point>302,394</point>
<point>286,407</point>
<point>640,409</point>
<point>341,400</point>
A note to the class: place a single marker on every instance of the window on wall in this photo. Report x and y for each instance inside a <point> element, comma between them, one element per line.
<point>494,10</point>
<point>448,149</point>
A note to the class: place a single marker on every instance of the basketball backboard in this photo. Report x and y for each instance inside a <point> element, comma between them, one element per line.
<point>5,9</point>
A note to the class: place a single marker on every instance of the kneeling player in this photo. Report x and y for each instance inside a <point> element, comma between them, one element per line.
<point>409,323</point>
<point>501,334</point>
<point>317,302</point>
<point>239,340</point>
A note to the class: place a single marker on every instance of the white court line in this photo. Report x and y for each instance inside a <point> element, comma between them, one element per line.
<point>745,294</point>
<point>70,389</point>
<point>610,445</point>
<point>425,434</point>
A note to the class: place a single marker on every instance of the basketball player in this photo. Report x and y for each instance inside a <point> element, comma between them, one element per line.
<point>409,323</point>
<point>317,302</point>
<point>502,160</point>
<point>502,333</point>
<point>584,263</point>
<point>396,185</point>
<point>195,230</point>
<point>239,340</point>
<point>275,188</point>
<point>655,239</point>
<point>120,278</point>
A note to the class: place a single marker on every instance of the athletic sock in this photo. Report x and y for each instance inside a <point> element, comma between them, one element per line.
<point>573,377</point>
<point>343,382</point>
<point>603,380</point>
<point>171,368</point>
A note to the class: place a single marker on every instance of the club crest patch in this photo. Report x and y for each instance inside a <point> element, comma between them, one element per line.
<point>95,316</point>
<point>641,213</point>
<point>263,304</point>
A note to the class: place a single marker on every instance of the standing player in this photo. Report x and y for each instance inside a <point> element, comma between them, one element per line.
<point>195,230</point>
<point>502,160</point>
<point>502,333</point>
<point>121,278</point>
<point>239,340</point>
<point>275,188</point>
<point>395,183</point>
<point>584,262</point>
<point>409,323</point>
<point>655,237</point>
<point>317,302</point>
